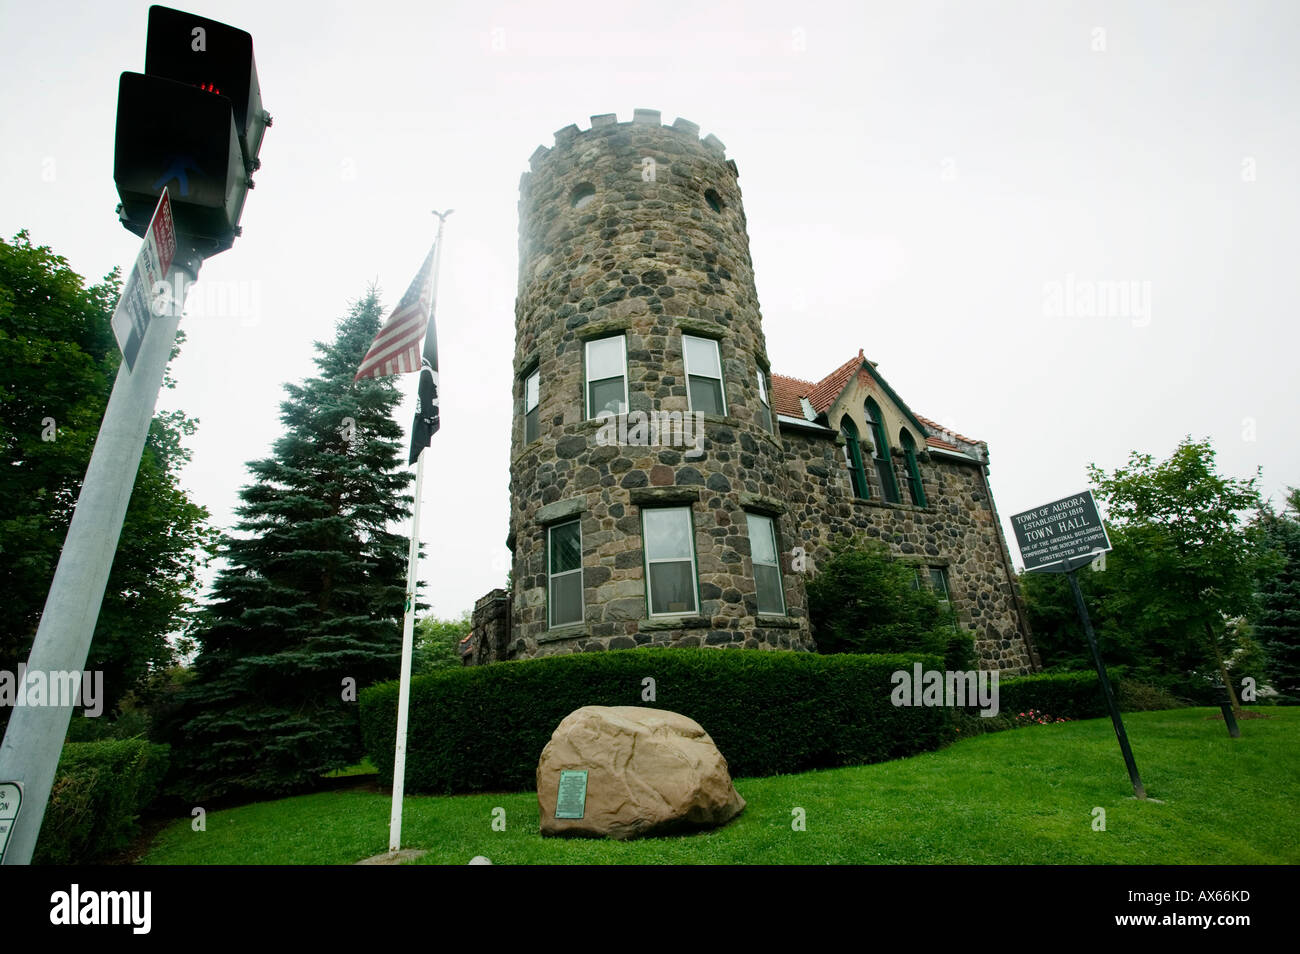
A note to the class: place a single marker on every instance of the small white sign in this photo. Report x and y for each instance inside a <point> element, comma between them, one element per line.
<point>11,799</point>
<point>134,309</point>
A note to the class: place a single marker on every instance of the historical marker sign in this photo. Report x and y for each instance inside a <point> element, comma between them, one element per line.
<point>1059,531</point>
<point>571,801</point>
<point>11,799</point>
<point>135,308</point>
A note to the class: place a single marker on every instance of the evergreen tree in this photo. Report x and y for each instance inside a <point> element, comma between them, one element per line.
<point>310,600</point>
<point>1277,620</point>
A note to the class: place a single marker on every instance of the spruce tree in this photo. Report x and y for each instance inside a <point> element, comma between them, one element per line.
<point>1277,623</point>
<point>310,600</point>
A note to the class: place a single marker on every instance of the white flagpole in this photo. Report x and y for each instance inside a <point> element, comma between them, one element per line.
<point>408,643</point>
<point>408,619</point>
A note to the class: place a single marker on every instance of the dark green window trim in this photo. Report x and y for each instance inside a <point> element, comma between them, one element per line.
<point>857,473</point>
<point>914,482</point>
<point>884,466</point>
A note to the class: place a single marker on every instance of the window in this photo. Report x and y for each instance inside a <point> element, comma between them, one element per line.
<point>564,549</point>
<point>532,424</point>
<point>767,567</point>
<point>939,583</point>
<point>715,201</point>
<point>884,466</point>
<point>582,195</point>
<point>703,375</point>
<point>670,560</point>
<point>916,577</point>
<point>765,405</point>
<point>853,455</point>
<point>607,376</point>
<point>914,485</point>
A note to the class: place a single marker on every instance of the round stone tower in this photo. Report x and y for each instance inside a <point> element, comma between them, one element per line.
<point>646,476</point>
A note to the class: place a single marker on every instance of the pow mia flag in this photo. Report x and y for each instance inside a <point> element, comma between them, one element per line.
<point>426,401</point>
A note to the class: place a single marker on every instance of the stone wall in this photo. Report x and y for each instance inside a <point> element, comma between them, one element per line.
<point>636,230</point>
<point>647,260</point>
<point>957,530</point>
<point>490,624</point>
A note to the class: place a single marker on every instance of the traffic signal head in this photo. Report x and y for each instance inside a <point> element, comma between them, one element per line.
<point>214,57</point>
<point>191,123</point>
<point>182,138</point>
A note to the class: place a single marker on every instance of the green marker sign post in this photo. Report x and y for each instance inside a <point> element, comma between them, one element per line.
<point>1061,537</point>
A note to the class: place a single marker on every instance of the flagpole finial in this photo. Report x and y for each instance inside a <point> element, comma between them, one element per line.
<point>442,216</point>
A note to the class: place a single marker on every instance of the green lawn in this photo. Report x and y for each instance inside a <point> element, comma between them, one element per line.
<point>1018,797</point>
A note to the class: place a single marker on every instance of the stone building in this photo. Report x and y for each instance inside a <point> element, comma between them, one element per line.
<point>666,487</point>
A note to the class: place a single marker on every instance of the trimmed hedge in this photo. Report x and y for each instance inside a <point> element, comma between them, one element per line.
<point>99,790</point>
<point>1070,695</point>
<point>770,713</point>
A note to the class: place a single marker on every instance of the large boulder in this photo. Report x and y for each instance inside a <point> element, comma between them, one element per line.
<point>649,771</point>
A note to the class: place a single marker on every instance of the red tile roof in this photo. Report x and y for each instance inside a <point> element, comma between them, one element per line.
<point>786,392</point>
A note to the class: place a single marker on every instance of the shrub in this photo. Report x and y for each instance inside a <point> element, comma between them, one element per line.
<point>99,790</point>
<point>863,601</point>
<point>131,724</point>
<point>1136,696</point>
<point>1071,695</point>
<point>483,728</point>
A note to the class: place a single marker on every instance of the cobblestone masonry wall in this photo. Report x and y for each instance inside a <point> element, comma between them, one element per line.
<point>637,229</point>
<point>651,255</point>
<point>957,531</point>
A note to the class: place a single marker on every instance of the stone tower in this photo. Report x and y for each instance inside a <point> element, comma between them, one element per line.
<point>646,482</point>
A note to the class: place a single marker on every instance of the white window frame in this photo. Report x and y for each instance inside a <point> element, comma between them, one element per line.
<point>944,595</point>
<point>645,554</point>
<point>586,373</point>
<point>535,373</point>
<point>766,400</point>
<point>551,576</point>
<point>776,565</point>
<point>721,379</point>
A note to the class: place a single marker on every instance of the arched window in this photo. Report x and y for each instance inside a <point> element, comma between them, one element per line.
<point>914,484</point>
<point>853,455</point>
<point>884,466</point>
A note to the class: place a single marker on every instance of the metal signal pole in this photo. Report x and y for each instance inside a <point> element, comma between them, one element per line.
<point>34,738</point>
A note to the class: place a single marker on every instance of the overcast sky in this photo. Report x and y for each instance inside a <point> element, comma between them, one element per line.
<point>943,185</point>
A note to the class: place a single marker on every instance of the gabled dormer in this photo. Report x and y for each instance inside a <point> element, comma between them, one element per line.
<point>884,441</point>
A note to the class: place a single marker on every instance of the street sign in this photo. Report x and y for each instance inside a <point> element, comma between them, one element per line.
<point>11,799</point>
<point>1059,531</point>
<point>1053,538</point>
<point>135,309</point>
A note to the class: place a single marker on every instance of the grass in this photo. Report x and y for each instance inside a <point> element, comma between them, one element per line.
<point>364,767</point>
<point>1018,797</point>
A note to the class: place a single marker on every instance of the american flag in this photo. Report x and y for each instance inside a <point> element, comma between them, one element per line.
<point>396,349</point>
